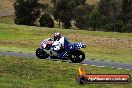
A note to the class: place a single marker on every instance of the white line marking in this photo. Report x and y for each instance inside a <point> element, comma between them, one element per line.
<point>92,65</point>
<point>100,66</point>
<point>114,68</point>
<point>58,61</point>
<point>84,64</point>
<point>128,69</point>
<point>119,68</point>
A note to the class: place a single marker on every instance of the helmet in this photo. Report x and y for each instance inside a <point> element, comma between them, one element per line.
<point>57,36</point>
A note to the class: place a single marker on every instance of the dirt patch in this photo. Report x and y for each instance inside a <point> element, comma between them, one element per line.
<point>29,43</point>
<point>93,41</point>
<point>102,41</point>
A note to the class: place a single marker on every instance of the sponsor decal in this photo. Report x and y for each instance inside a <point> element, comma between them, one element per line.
<point>101,78</point>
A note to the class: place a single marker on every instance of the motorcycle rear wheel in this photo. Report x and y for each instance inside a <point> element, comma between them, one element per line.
<point>77,56</point>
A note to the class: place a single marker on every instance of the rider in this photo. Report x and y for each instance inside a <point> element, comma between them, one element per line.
<point>57,36</point>
<point>61,41</point>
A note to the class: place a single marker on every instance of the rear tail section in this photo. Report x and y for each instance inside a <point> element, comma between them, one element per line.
<point>78,46</point>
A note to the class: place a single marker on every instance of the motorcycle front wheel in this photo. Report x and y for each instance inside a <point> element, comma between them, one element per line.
<point>40,53</point>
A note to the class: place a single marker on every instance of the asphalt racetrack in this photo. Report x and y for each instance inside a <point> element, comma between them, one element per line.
<point>85,62</point>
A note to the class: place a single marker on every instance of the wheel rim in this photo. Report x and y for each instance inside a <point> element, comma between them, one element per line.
<point>77,57</point>
<point>40,53</point>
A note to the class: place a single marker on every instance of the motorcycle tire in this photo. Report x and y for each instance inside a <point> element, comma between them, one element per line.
<point>40,53</point>
<point>77,56</point>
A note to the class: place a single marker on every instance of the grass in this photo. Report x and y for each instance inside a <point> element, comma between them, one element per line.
<point>7,19</point>
<point>35,73</point>
<point>0,6</point>
<point>100,45</point>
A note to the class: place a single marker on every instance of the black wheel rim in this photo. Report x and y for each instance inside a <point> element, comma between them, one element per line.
<point>77,57</point>
<point>40,53</point>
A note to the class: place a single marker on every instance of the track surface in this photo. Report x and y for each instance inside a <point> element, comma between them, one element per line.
<point>85,62</point>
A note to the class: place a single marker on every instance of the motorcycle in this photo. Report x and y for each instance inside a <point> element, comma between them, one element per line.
<point>68,52</point>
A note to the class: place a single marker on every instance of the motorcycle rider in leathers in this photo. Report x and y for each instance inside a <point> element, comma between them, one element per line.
<point>61,42</point>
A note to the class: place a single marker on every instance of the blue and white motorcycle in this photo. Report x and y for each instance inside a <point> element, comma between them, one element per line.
<point>67,52</point>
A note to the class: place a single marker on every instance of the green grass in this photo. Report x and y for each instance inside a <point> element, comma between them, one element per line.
<point>100,45</point>
<point>0,5</point>
<point>7,19</point>
<point>35,73</point>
